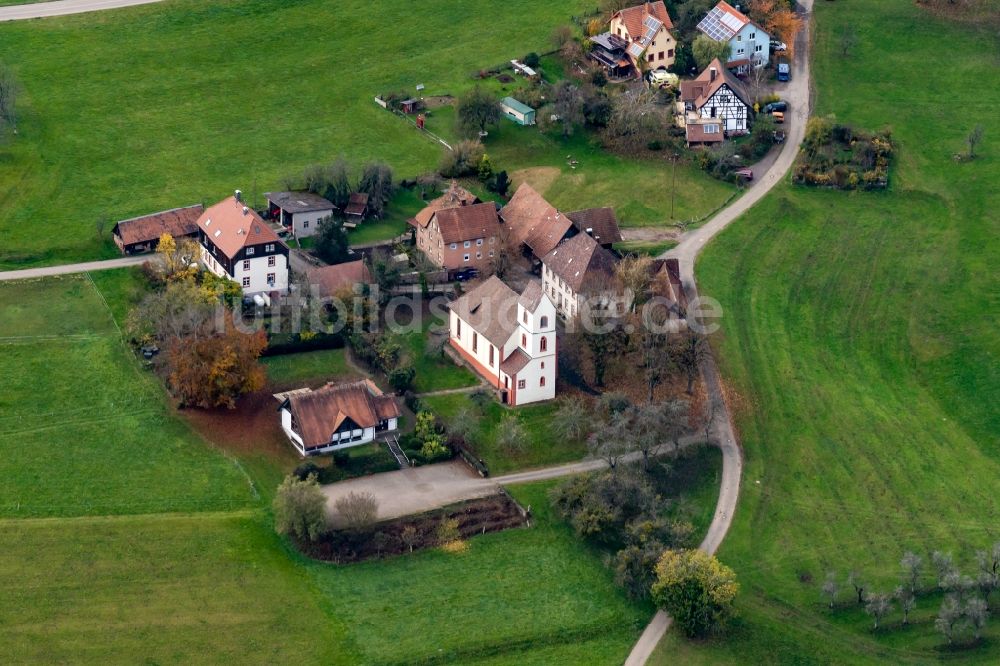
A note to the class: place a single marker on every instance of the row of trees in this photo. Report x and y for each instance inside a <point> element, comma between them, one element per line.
<point>333,182</point>
<point>966,604</point>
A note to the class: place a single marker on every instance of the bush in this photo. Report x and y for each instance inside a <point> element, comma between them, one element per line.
<point>401,377</point>
<point>532,60</point>
<point>463,160</point>
<point>341,458</point>
<point>696,589</point>
<point>358,510</point>
<point>599,78</point>
<point>655,145</point>
<point>305,469</point>
<point>300,508</point>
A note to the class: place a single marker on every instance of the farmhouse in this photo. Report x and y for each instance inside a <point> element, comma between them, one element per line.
<point>329,281</point>
<point>142,234</point>
<point>301,212</point>
<point>461,237</point>
<point>509,340</point>
<point>575,269</point>
<point>533,222</point>
<point>337,416</point>
<point>749,45</point>
<point>456,195</point>
<point>520,113</point>
<point>237,244</point>
<point>646,29</point>
<point>598,223</point>
<point>714,104</point>
<point>357,207</point>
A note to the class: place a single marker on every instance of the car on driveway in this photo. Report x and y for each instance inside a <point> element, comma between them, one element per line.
<point>779,116</point>
<point>745,173</point>
<point>779,136</point>
<point>776,106</point>
<point>778,46</point>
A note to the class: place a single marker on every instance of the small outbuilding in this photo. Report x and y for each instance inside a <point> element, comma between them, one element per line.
<point>520,113</point>
<point>142,234</point>
<point>301,212</point>
<point>357,207</point>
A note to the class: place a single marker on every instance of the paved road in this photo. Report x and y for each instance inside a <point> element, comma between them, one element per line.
<point>64,7</point>
<point>66,269</point>
<point>797,94</point>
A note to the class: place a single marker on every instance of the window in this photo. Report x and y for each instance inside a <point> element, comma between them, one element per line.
<point>739,38</point>
<point>454,246</point>
<point>305,225</point>
<point>269,248</point>
<point>468,243</point>
<point>544,323</point>
<point>479,255</point>
<point>479,241</point>
<point>491,253</point>
<point>541,382</point>
<point>758,48</point>
<point>739,51</point>
<point>270,279</point>
<point>544,344</point>
<point>521,383</point>
<point>660,56</point>
<point>246,264</point>
<point>465,258</point>
<point>475,341</point>
<point>458,328</point>
<point>249,251</point>
<point>711,129</point>
<point>524,340</point>
<point>491,356</point>
<point>713,111</point>
<point>670,53</point>
<point>524,316</point>
<point>543,365</point>
<point>649,58</point>
<point>246,282</point>
<point>753,35</point>
<point>270,262</point>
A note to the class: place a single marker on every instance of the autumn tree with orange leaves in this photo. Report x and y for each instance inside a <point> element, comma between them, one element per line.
<point>778,20</point>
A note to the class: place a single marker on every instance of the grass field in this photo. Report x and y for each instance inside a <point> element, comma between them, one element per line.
<point>434,372</point>
<point>312,368</point>
<point>860,335</point>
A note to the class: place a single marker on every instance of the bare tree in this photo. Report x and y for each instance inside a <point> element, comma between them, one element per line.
<point>409,536</point>
<point>635,118</point>
<point>511,435</point>
<point>429,183</point>
<point>9,88</point>
<point>912,565</point>
<point>855,580</point>
<point>688,351</point>
<point>907,601</point>
<point>561,34</point>
<point>830,587</point>
<point>612,441</point>
<point>950,618</point>
<point>503,253</point>
<point>974,139</point>
<point>573,418</point>
<point>878,605</point>
<point>567,104</point>
<point>358,509</point>
<point>943,566</point>
<point>976,613</point>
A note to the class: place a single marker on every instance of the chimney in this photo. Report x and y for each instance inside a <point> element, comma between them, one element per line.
<point>245,210</point>
<point>238,195</point>
<point>712,73</point>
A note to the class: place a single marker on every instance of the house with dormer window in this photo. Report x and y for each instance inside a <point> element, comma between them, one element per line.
<point>714,105</point>
<point>508,339</point>
<point>238,245</point>
<point>645,31</point>
<point>749,45</point>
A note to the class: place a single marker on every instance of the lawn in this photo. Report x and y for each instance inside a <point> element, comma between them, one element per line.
<point>434,372</point>
<point>308,368</point>
<point>650,248</point>
<point>404,204</point>
<point>255,91</point>
<point>542,448</point>
<point>86,430</point>
<point>860,337</point>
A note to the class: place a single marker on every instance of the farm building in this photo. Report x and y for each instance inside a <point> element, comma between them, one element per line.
<point>142,234</point>
<point>522,114</point>
<point>300,212</point>
<point>332,280</point>
<point>357,207</point>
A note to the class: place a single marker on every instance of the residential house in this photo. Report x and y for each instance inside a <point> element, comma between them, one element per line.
<point>714,105</point>
<point>510,340</point>
<point>749,45</point>
<point>576,269</point>
<point>532,222</point>
<point>142,234</point>
<point>599,223</point>
<point>336,416</point>
<point>456,195</point>
<point>237,244</point>
<point>520,113</point>
<point>301,212</point>
<point>329,281</point>
<point>609,51</point>
<point>646,28</point>
<point>357,207</point>
<point>461,237</point>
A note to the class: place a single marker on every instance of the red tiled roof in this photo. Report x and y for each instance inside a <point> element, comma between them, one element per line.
<point>319,413</point>
<point>602,223</point>
<point>580,261</point>
<point>696,133</point>
<point>455,196</point>
<point>231,225</point>
<point>698,90</point>
<point>462,223</point>
<point>333,279</point>
<point>177,222</point>
<point>357,204</point>
<point>515,362</point>
<point>633,17</point>
<point>533,221</point>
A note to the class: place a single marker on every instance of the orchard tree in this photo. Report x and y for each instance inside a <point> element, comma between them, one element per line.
<point>567,104</point>
<point>830,587</point>
<point>477,110</point>
<point>358,510</point>
<point>572,419</point>
<point>696,589</point>
<point>907,601</point>
<point>687,351</point>
<point>878,605</point>
<point>511,436</point>
<point>376,182</point>
<point>912,565</point>
<point>299,508</point>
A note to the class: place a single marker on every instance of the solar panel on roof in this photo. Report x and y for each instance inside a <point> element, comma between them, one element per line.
<point>717,25</point>
<point>635,50</point>
<point>652,27</point>
<point>732,22</point>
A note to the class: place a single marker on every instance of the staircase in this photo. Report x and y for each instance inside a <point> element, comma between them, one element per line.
<point>393,443</point>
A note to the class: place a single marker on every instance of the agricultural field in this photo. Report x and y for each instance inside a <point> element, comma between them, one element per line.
<point>860,338</point>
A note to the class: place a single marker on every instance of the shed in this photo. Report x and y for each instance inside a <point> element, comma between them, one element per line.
<point>357,206</point>
<point>142,234</point>
<point>522,114</point>
<point>299,211</point>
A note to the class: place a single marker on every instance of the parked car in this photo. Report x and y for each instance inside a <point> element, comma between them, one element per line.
<point>746,173</point>
<point>661,78</point>
<point>776,106</point>
<point>779,116</point>
<point>778,46</point>
<point>784,71</point>
<point>467,274</point>
<point>779,136</point>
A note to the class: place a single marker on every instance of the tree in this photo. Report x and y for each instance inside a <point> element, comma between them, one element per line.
<point>912,565</point>
<point>9,89</point>
<point>976,613</point>
<point>409,536</point>
<point>567,104</point>
<point>337,188</point>
<point>500,183</point>
<point>989,570</point>
<point>634,274</point>
<point>611,441</point>
<point>878,605</point>
<point>386,273</point>
<point>462,160</point>
<point>485,168</point>
<point>477,110</point>
<point>635,119</point>
<point>855,580</point>
<point>376,182</point>
<point>684,61</point>
<point>695,588</point>
<point>687,351</point>
<point>848,39</point>
<point>944,568</point>
<point>179,312</point>
<point>705,50</point>
<point>511,435</point>
<point>428,183</point>
<point>532,59</point>
<point>656,363</point>
<point>503,253</point>
<point>300,508</point>
<point>950,618</point>
<point>830,587</point>
<point>907,601</point>
<point>358,510</point>
<point>572,419</point>
<point>448,532</point>
<point>974,138</point>
<point>331,243</point>
<point>777,19</point>
<point>561,35</point>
